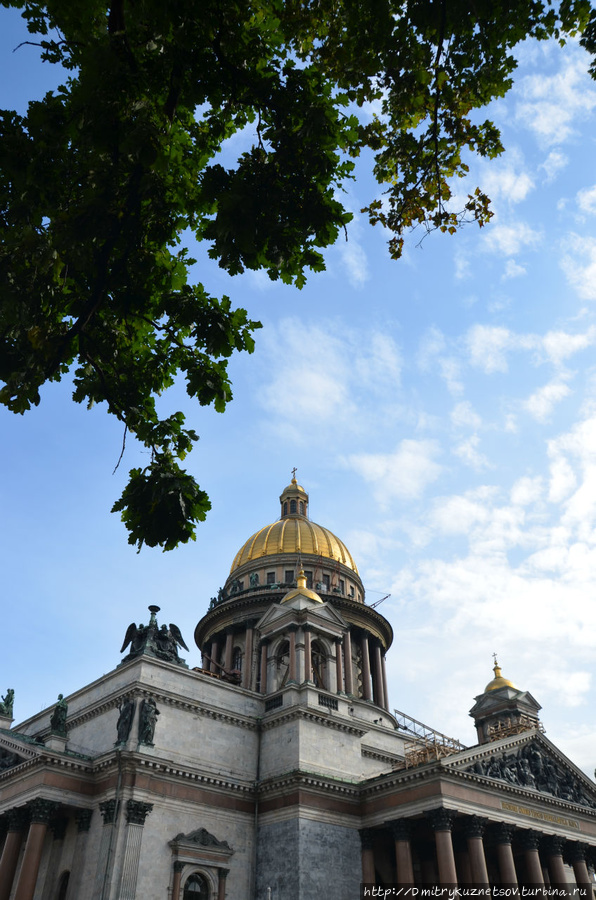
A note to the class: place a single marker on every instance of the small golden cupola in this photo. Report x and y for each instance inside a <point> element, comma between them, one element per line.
<point>294,500</point>
<point>498,681</point>
<point>301,590</point>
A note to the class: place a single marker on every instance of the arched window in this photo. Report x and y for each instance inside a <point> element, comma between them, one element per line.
<point>319,665</point>
<point>292,506</point>
<point>282,661</point>
<point>301,508</point>
<point>196,888</point>
<point>285,508</point>
<point>63,886</point>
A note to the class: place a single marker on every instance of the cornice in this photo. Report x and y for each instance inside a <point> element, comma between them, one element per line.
<point>280,784</point>
<point>299,712</point>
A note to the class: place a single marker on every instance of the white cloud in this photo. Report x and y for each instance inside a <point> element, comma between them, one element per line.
<point>467,451</point>
<point>552,165</point>
<point>527,490</point>
<point>579,264</point>
<point>324,376</point>
<point>486,347</point>
<point>586,200</point>
<point>463,415</point>
<point>508,240</point>
<point>503,181</point>
<point>513,270</point>
<point>542,402</point>
<point>403,474</point>
<point>551,105</point>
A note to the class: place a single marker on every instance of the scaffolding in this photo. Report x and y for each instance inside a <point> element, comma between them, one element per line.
<point>509,728</point>
<point>427,744</point>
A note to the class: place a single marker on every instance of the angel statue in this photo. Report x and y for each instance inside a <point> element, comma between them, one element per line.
<point>151,640</point>
<point>7,703</point>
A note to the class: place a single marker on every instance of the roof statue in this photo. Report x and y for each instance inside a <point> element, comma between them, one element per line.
<point>151,640</point>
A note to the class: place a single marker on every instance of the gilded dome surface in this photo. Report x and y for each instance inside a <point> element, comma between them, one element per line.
<point>498,681</point>
<point>294,535</point>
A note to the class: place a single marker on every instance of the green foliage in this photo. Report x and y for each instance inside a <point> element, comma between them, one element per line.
<point>101,179</point>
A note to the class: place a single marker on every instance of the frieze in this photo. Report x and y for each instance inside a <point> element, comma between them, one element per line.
<point>539,814</point>
<point>321,719</point>
<point>531,767</point>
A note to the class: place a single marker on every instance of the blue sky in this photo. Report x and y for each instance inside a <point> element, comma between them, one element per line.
<point>441,411</point>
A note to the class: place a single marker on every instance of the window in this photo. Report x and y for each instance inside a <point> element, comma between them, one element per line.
<point>326,582</point>
<point>237,659</point>
<point>196,888</point>
<point>285,508</point>
<point>351,590</point>
<point>301,508</point>
<point>289,577</point>
<point>342,586</point>
<point>292,506</point>
<point>270,577</point>
<point>308,580</point>
<point>63,886</point>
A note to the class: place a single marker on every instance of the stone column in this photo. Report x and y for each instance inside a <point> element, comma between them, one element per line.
<point>529,841</point>
<point>577,855</point>
<point>401,831</point>
<point>228,651</point>
<point>109,810</point>
<point>366,693</point>
<point>247,669</point>
<point>474,829</point>
<point>307,656</point>
<point>83,820</point>
<point>264,666</point>
<point>221,885</point>
<point>136,813</point>
<point>553,846</point>
<point>503,835</point>
<point>213,667</point>
<point>379,693</point>
<point>178,866</point>
<point>384,671</point>
<point>368,856</point>
<point>339,675</point>
<point>442,822</point>
<point>58,828</point>
<point>292,674</point>
<point>348,664</point>
<point>41,812</point>
<point>18,821</point>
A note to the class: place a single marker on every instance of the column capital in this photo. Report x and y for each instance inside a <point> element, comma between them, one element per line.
<point>502,833</point>
<point>474,826</point>
<point>401,829</point>
<point>178,866</point>
<point>366,838</point>
<point>17,819</point>
<point>58,827</point>
<point>41,811</point>
<point>553,844</point>
<point>223,874</point>
<point>83,819</point>
<point>137,812</point>
<point>441,819</point>
<point>529,839</point>
<point>109,810</point>
<point>576,851</point>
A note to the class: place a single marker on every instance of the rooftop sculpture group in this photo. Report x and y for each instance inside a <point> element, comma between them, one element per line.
<point>151,640</point>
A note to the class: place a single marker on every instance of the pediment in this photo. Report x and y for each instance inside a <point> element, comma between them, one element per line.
<point>16,749</point>
<point>324,615</point>
<point>529,763</point>
<point>201,839</point>
<point>488,701</point>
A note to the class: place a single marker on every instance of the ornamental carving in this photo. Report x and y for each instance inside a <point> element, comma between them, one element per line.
<point>531,767</point>
<point>109,811</point>
<point>151,640</point>
<point>202,838</point>
<point>137,812</point>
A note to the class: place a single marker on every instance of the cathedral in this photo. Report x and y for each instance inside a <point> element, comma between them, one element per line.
<point>277,769</point>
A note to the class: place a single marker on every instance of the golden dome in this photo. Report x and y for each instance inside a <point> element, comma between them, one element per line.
<point>498,681</point>
<point>294,535</point>
<point>301,591</point>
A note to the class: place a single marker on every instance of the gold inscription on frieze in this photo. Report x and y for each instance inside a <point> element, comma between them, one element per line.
<point>536,814</point>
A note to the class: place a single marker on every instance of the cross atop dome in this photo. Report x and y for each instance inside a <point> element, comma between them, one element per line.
<point>294,499</point>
